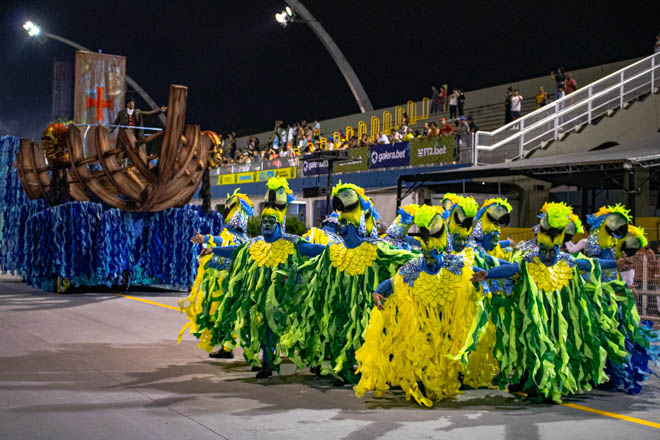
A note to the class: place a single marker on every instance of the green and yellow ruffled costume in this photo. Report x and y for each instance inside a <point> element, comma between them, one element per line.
<point>333,309</point>
<point>433,317</point>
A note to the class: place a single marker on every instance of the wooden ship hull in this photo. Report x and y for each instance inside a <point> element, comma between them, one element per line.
<point>123,176</point>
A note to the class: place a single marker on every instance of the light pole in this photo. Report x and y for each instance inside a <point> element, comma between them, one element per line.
<point>34,30</point>
<point>289,16</point>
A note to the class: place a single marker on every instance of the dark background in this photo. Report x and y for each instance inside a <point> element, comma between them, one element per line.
<point>244,70</point>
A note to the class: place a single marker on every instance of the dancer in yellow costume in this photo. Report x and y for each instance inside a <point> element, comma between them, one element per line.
<point>493,215</point>
<point>459,215</point>
<point>202,303</point>
<point>419,337</point>
<point>327,233</point>
<point>333,311</point>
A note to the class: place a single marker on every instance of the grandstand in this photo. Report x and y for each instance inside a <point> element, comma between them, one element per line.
<point>607,130</point>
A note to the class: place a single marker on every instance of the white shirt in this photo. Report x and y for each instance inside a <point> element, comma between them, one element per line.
<point>453,99</point>
<point>628,276</point>
<point>576,247</point>
<point>516,102</point>
<point>396,136</point>
<point>382,139</point>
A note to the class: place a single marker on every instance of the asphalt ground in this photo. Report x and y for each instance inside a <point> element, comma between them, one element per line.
<point>106,366</point>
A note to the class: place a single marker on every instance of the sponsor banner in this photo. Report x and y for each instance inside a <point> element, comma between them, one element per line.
<point>432,150</point>
<point>358,160</point>
<point>314,168</point>
<point>288,172</point>
<point>246,177</point>
<point>389,155</point>
<point>99,87</point>
<point>226,179</point>
<point>264,175</point>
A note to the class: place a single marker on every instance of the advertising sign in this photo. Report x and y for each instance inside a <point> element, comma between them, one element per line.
<point>432,150</point>
<point>358,160</point>
<point>389,155</point>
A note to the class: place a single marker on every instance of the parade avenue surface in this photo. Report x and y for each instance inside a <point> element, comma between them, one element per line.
<point>107,366</point>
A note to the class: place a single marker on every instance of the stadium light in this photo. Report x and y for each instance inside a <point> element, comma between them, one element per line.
<point>289,11</point>
<point>34,30</point>
<point>281,18</point>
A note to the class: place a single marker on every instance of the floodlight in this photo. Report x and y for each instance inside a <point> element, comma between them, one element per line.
<point>289,11</point>
<point>33,29</point>
<point>280,17</point>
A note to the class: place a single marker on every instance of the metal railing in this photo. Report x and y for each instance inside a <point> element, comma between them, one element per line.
<point>259,165</point>
<point>527,133</point>
<point>646,285</point>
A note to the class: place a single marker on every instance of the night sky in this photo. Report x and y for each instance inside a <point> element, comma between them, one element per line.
<point>244,70</point>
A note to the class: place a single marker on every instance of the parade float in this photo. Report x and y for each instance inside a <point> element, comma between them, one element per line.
<point>83,207</point>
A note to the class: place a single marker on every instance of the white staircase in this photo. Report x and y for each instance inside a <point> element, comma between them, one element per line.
<point>570,114</point>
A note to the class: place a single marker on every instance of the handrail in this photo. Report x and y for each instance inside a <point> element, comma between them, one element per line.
<point>556,114</point>
<point>565,98</point>
<point>561,107</point>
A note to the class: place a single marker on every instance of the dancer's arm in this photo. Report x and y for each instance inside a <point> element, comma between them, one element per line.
<point>381,293</point>
<point>310,249</point>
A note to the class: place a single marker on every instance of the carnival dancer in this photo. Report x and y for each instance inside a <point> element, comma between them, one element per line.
<point>397,232</point>
<point>202,303</point>
<point>417,338</point>
<point>263,279</point>
<point>334,309</point>
<point>493,215</point>
<point>459,215</point>
<point>549,340</point>
<point>327,233</point>
<point>610,232</point>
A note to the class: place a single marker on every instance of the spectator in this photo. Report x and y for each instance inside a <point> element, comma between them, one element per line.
<point>656,46</point>
<point>232,143</point>
<point>541,98</point>
<point>409,135</point>
<point>453,104</point>
<point>271,154</point>
<point>364,141</point>
<point>406,119</point>
<point>426,130</point>
<point>461,102</point>
<point>286,151</point>
<point>516,104</point>
<point>395,137</point>
<point>434,131</point>
<point>507,106</point>
<point>570,85</point>
<point>382,138</point>
<point>443,96</point>
<point>561,93</point>
<point>445,129</point>
<point>473,126</point>
<point>558,77</point>
<point>317,130</point>
<point>461,129</point>
<point>435,102</point>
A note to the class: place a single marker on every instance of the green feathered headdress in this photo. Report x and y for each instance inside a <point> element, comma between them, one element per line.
<point>425,215</point>
<point>558,214</point>
<point>596,219</point>
<point>579,229</point>
<point>639,234</point>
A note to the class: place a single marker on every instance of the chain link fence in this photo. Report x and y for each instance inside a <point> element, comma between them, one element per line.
<point>646,284</point>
